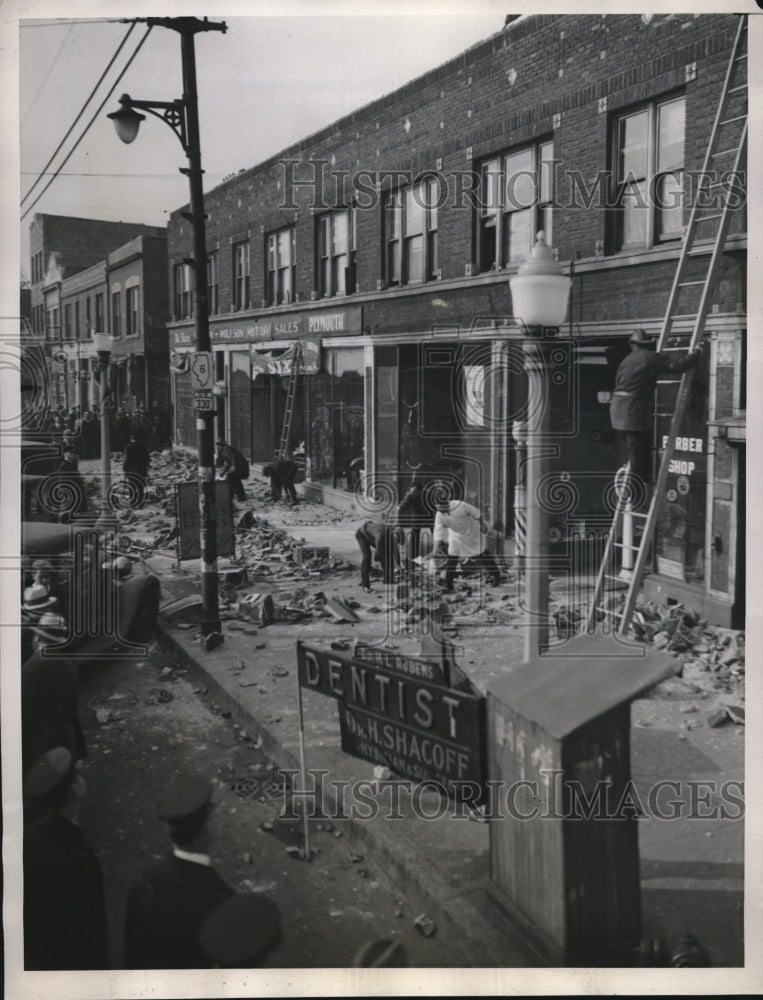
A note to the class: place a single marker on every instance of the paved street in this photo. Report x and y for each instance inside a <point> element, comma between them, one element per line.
<point>691,869</point>
<point>144,724</point>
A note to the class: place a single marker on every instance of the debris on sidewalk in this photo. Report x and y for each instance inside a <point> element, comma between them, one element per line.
<point>425,924</point>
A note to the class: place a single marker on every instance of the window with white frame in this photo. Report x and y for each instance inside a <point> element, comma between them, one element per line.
<point>132,304</point>
<point>241,275</point>
<point>183,298</point>
<point>281,265</point>
<point>411,233</point>
<point>648,146</point>
<point>99,318</point>
<point>213,285</point>
<point>336,253</point>
<point>516,201</point>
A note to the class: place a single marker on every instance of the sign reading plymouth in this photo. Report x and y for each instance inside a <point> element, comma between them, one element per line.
<point>338,321</point>
<point>401,719</point>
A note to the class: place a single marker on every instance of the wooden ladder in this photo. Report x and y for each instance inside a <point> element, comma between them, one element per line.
<point>703,247</point>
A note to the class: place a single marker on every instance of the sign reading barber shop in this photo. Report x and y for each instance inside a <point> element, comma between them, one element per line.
<point>404,719</point>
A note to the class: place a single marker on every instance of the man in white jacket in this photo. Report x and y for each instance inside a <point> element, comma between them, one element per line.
<point>459,532</point>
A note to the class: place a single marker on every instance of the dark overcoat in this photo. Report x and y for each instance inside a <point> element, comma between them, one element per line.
<point>64,909</point>
<point>165,911</point>
<point>631,408</point>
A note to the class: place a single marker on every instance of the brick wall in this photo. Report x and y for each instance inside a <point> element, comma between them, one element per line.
<point>560,66</point>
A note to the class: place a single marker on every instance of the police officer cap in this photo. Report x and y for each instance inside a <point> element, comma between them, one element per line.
<point>241,931</point>
<point>184,799</point>
<point>47,773</point>
<point>641,337</point>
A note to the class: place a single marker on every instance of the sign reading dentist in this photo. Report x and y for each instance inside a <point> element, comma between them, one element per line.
<point>416,727</point>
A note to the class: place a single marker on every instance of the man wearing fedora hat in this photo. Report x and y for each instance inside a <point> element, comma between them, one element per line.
<point>632,405</point>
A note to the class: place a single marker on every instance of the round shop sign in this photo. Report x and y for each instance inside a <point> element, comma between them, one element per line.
<point>672,496</point>
<point>683,485</point>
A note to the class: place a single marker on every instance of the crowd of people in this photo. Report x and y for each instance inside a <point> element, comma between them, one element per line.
<point>80,427</point>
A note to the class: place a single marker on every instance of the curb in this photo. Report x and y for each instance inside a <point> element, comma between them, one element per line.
<point>485,936</point>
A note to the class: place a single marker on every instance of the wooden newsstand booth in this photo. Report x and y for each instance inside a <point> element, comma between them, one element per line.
<point>564,838</point>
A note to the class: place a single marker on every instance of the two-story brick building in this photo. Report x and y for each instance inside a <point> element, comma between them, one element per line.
<point>384,245</point>
<point>71,294</point>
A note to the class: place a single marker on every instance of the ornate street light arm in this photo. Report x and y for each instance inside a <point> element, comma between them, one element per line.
<point>127,121</point>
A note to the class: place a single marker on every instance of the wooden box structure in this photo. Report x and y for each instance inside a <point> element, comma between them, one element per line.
<point>564,836</point>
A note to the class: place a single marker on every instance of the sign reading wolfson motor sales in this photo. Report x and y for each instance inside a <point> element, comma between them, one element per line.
<point>400,719</point>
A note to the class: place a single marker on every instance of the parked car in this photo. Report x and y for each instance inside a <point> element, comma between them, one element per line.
<point>104,608</point>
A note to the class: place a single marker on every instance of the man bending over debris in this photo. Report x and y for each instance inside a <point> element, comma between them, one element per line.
<point>233,467</point>
<point>376,539</point>
<point>459,533</point>
<point>281,474</point>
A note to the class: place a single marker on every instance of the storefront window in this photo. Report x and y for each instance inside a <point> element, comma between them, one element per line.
<point>680,537</point>
<point>240,381</point>
<point>336,416</point>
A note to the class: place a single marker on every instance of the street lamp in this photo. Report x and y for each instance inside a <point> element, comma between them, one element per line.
<point>539,293</point>
<point>182,116</point>
<point>103,343</point>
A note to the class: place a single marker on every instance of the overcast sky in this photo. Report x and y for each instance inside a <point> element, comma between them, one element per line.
<point>264,84</point>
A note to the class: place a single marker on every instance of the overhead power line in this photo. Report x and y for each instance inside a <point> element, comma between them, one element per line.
<point>50,70</point>
<point>87,127</point>
<point>81,113</point>
<point>62,21</point>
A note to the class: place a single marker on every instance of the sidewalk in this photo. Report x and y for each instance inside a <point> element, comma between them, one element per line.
<point>691,869</point>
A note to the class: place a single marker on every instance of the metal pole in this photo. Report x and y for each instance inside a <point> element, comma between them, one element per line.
<point>105,520</point>
<point>537,546</point>
<point>210,613</point>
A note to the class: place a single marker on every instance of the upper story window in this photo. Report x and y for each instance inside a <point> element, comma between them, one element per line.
<point>99,324</point>
<point>411,233</point>
<point>241,275</point>
<point>336,253</point>
<point>648,146</point>
<point>183,299</point>
<point>68,322</point>
<point>213,284</point>
<point>516,199</point>
<point>77,330</point>
<point>116,314</point>
<point>37,268</point>
<point>281,266</point>
<point>88,315</point>
<point>132,303</point>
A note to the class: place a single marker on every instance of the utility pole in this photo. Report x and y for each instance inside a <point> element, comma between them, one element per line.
<point>182,116</point>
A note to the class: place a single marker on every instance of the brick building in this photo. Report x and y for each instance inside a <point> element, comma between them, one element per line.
<point>77,267</point>
<point>384,244</point>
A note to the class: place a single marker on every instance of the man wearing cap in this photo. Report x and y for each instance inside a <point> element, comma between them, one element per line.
<point>64,909</point>
<point>632,405</point>
<point>168,905</point>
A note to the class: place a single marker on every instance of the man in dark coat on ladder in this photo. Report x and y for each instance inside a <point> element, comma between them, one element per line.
<point>632,405</point>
